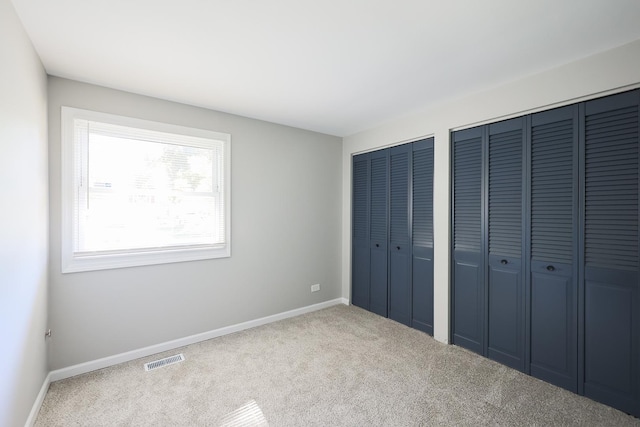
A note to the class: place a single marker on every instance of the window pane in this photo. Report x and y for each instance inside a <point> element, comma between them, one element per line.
<point>142,194</point>
<point>137,192</point>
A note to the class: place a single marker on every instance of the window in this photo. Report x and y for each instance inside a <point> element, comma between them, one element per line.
<point>136,192</point>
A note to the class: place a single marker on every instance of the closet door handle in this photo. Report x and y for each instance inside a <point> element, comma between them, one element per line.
<point>377,245</point>
<point>550,268</point>
<point>504,262</point>
<point>398,247</point>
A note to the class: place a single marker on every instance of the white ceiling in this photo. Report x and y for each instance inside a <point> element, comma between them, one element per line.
<point>333,66</point>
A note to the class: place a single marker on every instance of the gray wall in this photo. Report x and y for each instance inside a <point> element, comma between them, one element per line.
<point>23,221</point>
<point>286,225</point>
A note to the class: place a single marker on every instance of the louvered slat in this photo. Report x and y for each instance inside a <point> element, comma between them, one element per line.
<point>379,199</point>
<point>611,189</point>
<point>423,197</point>
<point>552,192</point>
<point>505,193</point>
<point>360,184</point>
<point>467,194</point>
<point>399,197</point>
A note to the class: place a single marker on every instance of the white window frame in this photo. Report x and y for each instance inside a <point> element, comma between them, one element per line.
<point>74,262</point>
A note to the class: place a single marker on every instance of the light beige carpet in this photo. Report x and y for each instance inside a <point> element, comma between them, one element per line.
<point>341,366</point>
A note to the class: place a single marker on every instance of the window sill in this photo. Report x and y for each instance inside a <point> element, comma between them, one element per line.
<point>79,263</point>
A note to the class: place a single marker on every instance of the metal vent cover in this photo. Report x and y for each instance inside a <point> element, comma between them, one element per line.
<point>163,362</point>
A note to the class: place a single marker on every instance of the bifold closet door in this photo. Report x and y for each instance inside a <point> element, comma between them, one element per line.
<point>545,246</point>
<point>612,299</point>
<point>379,219</point>
<point>554,222</point>
<point>422,236</point>
<point>399,235</point>
<point>505,293</point>
<point>468,255</point>
<point>360,242</point>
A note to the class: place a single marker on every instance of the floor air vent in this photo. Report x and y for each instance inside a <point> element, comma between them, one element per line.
<point>163,362</point>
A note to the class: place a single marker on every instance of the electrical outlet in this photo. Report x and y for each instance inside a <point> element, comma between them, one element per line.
<point>315,288</point>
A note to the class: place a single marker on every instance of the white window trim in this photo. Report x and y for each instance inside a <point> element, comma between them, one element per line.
<point>75,263</point>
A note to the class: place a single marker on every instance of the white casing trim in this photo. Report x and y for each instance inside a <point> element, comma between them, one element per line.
<point>72,262</point>
<point>105,362</point>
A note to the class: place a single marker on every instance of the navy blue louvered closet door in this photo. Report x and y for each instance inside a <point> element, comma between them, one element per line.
<point>612,298</point>
<point>360,254</point>
<point>422,237</point>
<point>468,257</point>
<point>399,235</point>
<point>506,304</point>
<point>379,206</point>
<point>392,233</point>
<point>554,213</point>
<point>549,204</point>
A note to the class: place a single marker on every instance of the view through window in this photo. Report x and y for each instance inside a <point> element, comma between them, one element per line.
<point>139,190</point>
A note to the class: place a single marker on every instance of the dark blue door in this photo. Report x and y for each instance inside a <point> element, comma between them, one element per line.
<point>611,298</point>
<point>549,203</point>
<point>505,301</point>
<point>379,218</point>
<point>422,235</point>
<point>554,214</point>
<point>399,236</point>
<point>468,256</point>
<point>360,254</point>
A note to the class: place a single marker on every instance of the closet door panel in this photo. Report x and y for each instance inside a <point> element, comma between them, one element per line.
<point>610,365</point>
<point>379,206</point>
<point>554,291</point>
<point>422,298</point>
<point>399,287</point>
<point>553,325</point>
<point>468,258</point>
<point>505,301</point>
<point>399,240</point>
<point>506,288</point>
<point>360,282</point>
<point>468,301</point>
<point>612,300</point>
<point>422,236</point>
<point>553,356</point>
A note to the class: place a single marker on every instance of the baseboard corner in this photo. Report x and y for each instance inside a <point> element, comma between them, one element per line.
<point>35,409</point>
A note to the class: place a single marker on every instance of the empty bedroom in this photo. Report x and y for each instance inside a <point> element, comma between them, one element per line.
<point>292,213</point>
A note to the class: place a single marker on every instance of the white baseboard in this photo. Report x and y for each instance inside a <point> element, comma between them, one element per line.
<point>105,362</point>
<point>38,403</point>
